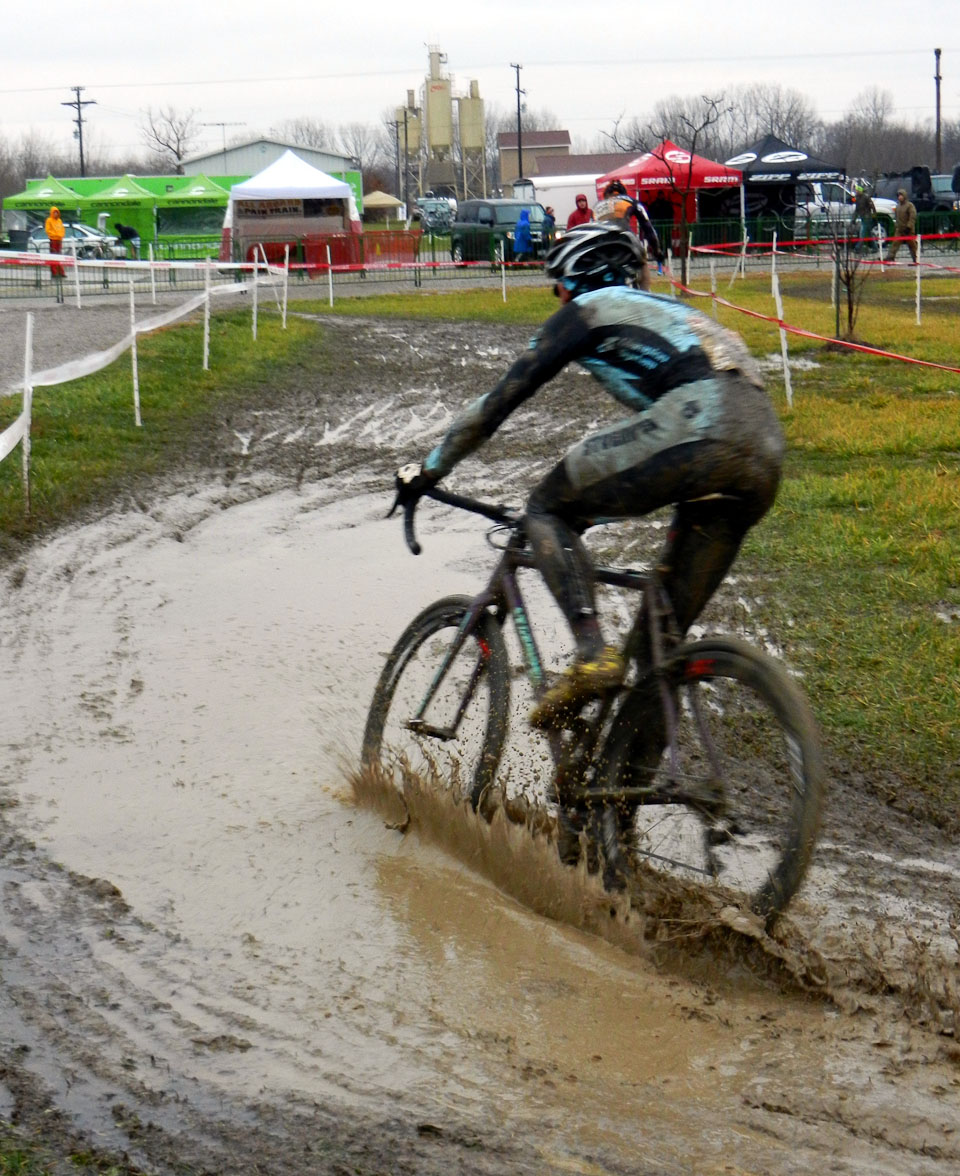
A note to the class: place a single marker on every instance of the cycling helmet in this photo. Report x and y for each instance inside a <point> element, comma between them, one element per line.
<point>594,255</point>
<point>615,188</point>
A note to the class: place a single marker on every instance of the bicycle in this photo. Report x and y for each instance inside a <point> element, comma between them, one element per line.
<point>706,762</point>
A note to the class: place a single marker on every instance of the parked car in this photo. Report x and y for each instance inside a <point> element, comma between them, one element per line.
<point>483,229</point>
<point>825,205</point>
<point>932,196</point>
<point>434,213</point>
<point>84,240</point>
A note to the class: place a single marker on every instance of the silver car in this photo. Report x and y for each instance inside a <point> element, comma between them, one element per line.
<point>83,240</point>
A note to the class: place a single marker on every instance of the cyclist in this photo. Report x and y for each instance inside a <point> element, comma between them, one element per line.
<point>619,208</point>
<point>702,435</point>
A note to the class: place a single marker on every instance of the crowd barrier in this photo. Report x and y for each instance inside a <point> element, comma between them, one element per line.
<point>244,279</point>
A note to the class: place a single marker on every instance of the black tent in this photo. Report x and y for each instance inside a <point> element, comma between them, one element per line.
<point>771,161</point>
<point>771,171</point>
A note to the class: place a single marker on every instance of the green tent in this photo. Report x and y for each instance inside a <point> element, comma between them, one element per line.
<point>194,205</point>
<point>35,203</point>
<point>124,201</point>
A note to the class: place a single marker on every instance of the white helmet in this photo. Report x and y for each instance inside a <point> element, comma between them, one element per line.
<point>594,255</point>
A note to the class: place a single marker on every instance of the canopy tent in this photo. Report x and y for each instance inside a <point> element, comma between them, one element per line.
<point>292,178</point>
<point>194,205</point>
<point>669,174</point>
<point>382,204</point>
<point>771,171</point>
<point>31,207</point>
<point>124,200</point>
<point>771,161</point>
<point>282,206</point>
<point>669,166</point>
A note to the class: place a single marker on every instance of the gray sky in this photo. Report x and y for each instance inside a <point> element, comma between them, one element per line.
<point>259,64</point>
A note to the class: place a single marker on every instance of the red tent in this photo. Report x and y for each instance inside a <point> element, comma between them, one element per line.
<point>671,173</point>
<point>669,166</point>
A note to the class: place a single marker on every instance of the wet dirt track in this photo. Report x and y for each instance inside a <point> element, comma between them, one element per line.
<point>213,957</point>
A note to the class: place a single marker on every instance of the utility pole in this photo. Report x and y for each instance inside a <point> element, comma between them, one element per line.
<point>78,104</point>
<point>406,159</point>
<point>223,128</point>
<point>518,68</point>
<point>937,79</point>
<point>396,124</point>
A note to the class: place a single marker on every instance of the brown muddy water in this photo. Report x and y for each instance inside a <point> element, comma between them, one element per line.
<point>185,690</point>
<point>214,957</point>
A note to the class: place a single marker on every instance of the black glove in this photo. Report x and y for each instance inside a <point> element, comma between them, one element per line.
<point>411,481</point>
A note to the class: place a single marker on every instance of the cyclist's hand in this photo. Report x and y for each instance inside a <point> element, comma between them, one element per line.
<point>410,482</point>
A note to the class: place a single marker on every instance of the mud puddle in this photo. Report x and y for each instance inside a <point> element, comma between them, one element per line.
<point>231,949</point>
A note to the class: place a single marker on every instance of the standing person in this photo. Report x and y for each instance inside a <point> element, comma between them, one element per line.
<point>522,239</point>
<point>701,434</point>
<point>864,211</point>
<point>130,238</point>
<point>618,208</point>
<point>547,228</point>
<point>906,226</point>
<point>54,228</point>
<point>582,214</point>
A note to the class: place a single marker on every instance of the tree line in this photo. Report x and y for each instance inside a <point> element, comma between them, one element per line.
<point>867,139</point>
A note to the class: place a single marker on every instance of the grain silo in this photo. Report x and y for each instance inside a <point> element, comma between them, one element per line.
<point>473,142</point>
<point>438,92</point>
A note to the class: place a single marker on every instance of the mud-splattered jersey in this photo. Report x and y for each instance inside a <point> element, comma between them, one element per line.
<point>639,347</point>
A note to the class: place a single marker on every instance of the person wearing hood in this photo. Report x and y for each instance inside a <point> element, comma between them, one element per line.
<point>906,226</point>
<point>582,214</point>
<point>522,239</point>
<point>54,228</point>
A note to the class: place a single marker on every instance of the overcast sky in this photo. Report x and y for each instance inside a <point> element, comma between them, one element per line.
<point>258,64</point>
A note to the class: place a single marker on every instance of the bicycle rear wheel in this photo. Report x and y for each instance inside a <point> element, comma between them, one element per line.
<point>442,720</point>
<point>735,801</point>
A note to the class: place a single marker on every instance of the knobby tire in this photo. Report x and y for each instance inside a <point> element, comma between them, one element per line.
<point>474,755</point>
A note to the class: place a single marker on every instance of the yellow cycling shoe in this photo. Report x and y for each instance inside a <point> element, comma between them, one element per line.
<point>583,681</point>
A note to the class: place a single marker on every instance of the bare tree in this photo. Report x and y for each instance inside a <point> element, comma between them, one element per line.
<point>304,132</point>
<point>169,134</point>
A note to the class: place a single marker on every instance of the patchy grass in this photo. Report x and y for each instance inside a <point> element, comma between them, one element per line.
<point>85,444</point>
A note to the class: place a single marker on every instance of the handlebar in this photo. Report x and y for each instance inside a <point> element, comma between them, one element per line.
<point>498,514</point>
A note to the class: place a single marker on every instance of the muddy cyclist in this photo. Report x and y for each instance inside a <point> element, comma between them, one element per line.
<point>700,435</point>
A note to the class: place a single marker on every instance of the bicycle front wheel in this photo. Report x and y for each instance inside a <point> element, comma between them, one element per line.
<point>734,799</point>
<point>439,710</point>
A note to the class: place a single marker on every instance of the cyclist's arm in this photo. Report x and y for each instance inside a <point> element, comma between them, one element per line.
<point>561,339</point>
<point>646,229</point>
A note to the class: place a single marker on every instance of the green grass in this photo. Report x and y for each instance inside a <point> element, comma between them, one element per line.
<point>85,443</point>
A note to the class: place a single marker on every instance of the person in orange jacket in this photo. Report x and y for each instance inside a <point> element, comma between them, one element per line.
<point>55,230</point>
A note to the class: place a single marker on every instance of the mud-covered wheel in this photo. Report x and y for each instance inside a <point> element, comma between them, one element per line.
<point>738,807</point>
<point>444,722</point>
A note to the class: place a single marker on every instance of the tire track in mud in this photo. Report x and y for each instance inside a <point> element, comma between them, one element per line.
<point>124,1029</point>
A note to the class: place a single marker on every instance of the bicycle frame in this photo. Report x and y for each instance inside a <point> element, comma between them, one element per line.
<point>502,594</point>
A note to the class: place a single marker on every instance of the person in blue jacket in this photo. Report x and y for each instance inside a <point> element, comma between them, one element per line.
<point>522,240</point>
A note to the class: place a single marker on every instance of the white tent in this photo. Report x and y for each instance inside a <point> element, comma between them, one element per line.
<point>293,179</point>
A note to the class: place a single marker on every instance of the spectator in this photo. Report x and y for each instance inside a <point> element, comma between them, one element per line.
<point>522,240</point>
<point>130,238</point>
<point>906,226</point>
<point>582,214</point>
<point>56,231</point>
<point>865,212</point>
<point>547,228</point>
